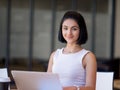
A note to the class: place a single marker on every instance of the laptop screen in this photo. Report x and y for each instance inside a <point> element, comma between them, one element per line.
<point>31,80</point>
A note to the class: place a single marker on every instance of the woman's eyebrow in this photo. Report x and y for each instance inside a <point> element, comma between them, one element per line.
<point>65,26</point>
<point>68,26</point>
<point>75,26</point>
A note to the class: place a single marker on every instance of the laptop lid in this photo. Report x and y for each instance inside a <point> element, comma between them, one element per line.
<point>31,80</point>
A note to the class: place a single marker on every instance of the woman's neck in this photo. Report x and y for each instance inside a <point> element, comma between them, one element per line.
<point>72,48</point>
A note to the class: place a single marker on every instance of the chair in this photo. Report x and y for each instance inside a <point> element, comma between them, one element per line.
<point>4,78</point>
<point>104,81</point>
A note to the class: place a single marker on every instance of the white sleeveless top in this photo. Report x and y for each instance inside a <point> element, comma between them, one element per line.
<point>69,67</point>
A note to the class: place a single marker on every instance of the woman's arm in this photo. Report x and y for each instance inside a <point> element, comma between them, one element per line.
<point>50,62</point>
<point>91,69</point>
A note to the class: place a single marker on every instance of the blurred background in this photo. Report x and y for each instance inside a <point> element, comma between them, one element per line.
<point>29,30</point>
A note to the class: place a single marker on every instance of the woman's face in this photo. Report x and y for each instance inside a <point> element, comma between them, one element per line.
<point>70,31</point>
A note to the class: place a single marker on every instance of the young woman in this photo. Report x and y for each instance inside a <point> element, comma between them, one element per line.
<point>75,65</point>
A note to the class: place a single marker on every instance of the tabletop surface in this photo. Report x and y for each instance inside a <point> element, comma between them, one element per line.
<point>117,83</point>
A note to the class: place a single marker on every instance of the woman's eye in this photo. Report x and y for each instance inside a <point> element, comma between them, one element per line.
<point>74,29</point>
<point>65,28</point>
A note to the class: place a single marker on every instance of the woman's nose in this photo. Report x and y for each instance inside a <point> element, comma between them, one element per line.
<point>69,31</point>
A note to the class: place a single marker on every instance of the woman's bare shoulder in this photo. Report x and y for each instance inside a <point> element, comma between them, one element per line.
<point>90,58</point>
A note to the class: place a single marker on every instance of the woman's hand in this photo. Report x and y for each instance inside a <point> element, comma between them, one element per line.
<point>81,88</point>
<point>70,88</point>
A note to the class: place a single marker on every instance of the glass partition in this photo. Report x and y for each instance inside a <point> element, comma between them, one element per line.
<point>103,29</point>
<point>42,34</point>
<point>47,17</point>
<point>19,40</point>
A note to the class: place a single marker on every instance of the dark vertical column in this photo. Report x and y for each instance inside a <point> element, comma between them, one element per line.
<point>112,30</point>
<point>31,34</point>
<point>7,60</point>
<point>53,24</point>
<point>94,2</point>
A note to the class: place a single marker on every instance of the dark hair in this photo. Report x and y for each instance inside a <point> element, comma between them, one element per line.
<point>83,36</point>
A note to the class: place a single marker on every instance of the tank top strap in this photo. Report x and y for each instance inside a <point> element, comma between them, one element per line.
<point>56,54</point>
<point>84,52</point>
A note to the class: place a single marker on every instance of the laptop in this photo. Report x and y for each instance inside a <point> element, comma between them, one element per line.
<point>32,80</point>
